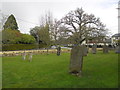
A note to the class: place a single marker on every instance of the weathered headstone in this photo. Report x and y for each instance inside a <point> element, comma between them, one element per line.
<point>85,49</point>
<point>94,49</point>
<point>30,56</point>
<point>105,49</point>
<point>24,55</point>
<point>58,51</point>
<point>76,60</point>
<point>117,49</point>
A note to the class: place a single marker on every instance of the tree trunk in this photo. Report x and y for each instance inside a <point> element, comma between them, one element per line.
<point>76,60</point>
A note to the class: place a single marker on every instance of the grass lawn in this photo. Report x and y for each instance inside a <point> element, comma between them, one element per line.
<point>51,71</point>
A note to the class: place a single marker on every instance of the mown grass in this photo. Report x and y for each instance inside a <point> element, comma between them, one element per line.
<point>51,71</point>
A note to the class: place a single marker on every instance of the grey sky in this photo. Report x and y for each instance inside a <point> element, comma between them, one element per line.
<point>28,12</point>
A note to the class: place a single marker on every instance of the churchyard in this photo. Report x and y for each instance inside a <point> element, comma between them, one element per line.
<point>83,56</point>
<point>51,71</point>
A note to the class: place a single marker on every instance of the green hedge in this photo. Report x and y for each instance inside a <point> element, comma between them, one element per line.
<point>11,47</point>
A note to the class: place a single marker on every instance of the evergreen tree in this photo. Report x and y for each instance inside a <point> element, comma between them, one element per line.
<point>11,23</point>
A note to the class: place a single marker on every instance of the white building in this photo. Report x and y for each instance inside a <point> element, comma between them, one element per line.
<point>115,38</point>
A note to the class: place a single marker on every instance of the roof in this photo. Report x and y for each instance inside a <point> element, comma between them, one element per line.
<point>116,35</point>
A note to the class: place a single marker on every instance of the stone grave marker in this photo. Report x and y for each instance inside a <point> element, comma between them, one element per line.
<point>105,49</point>
<point>94,49</point>
<point>30,56</point>
<point>58,51</point>
<point>24,55</point>
<point>76,60</point>
<point>85,50</point>
<point>117,49</point>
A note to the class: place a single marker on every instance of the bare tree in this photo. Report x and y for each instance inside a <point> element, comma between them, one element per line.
<point>58,37</point>
<point>55,31</point>
<point>42,33</point>
<point>81,26</point>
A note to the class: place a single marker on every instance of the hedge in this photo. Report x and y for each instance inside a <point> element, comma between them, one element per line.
<point>13,47</point>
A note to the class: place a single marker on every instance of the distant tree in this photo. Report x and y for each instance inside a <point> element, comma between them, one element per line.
<point>41,34</point>
<point>15,37</point>
<point>10,36</point>
<point>58,37</point>
<point>34,32</point>
<point>11,23</point>
<point>27,39</point>
<point>45,20</point>
<point>55,31</point>
<point>44,35</point>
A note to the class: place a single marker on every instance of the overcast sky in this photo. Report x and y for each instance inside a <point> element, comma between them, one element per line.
<point>28,12</point>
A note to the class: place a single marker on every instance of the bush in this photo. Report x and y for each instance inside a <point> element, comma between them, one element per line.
<point>27,39</point>
<point>12,47</point>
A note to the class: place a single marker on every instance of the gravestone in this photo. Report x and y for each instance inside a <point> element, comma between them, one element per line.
<point>30,56</point>
<point>24,55</point>
<point>76,60</point>
<point>85,50</point>
<point>58,51</point>
<point>105,49</point>
<point>117,49</point>
<point>94,47</point>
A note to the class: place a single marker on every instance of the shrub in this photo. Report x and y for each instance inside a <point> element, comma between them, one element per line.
<point>11,47</point>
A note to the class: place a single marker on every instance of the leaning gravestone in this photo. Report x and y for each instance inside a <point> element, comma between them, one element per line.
<point>76,60</point>
<point>117,49</point>
<point>105,49</point>
<point>94,47</point>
